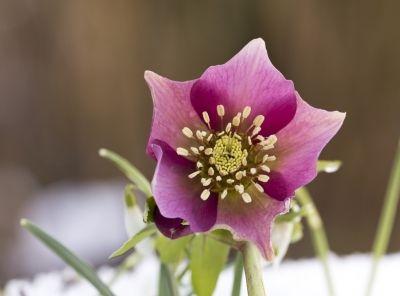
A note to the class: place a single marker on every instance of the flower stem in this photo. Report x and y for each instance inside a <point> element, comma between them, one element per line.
<point>238,273</point>
<point>252,270</point>
<point>386,219</point>
<point>318,235</point>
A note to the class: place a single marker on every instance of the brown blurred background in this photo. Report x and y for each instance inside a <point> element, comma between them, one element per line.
<point>71,81</point>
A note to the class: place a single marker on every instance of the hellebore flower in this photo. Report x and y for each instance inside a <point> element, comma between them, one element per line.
<point>232,147</point>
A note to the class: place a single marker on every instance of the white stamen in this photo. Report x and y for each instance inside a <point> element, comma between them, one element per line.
<point>182,151</point>
<point>258,121</point>
<point>259,187</point>
<point>239,188</point>
<point>220,110</point>
<point>244,161</point>
<point>187,132</point>
<point>237,136</point>
<point>209,137</point>
<point>194,174</point>
<point>230,181</point>
<point>246,197</point>
<point>199,135</point>
<point>263,178</point>
<point>218,178</point>
<point>199,165</point>
<point>195,150</point>
<point>265,168</point>
<point>206,118</point>
<point>205,194</point>
<point>244,173</point>
<point>260,138</point>
<point>228,127</point>
<point>256,130</point>
<point>224,193</point>
<point>211,160</point>
<point>249,140</point>
<point>203,133</point>
<point>208,151</point>
<point>271,158</point>
<point>246,111</point>
<point>253,171</point>
<point>268,147</point>
<point>272,139</point>
<point>210,171</point>
<point>236,120</point>
<point>206,182</point>
<point>239,176</point>
<point>201,148</point>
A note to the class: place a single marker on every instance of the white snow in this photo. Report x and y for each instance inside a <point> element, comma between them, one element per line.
<point>298,277</point>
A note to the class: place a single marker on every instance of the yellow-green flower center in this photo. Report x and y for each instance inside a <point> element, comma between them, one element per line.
<point>228,155</point>
<point>231,159</point>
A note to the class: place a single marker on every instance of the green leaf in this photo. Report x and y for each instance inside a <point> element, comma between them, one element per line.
<point>328,166</point>
<point>172,251</point>
<point>68,257</point>
<point>134,240</point>
<point>208,258</point>
<point>167,285</point>
<point>131,172</point>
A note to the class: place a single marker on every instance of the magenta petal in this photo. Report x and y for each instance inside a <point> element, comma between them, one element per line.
<point>252,221</point>
<point>170,227</point>
<point>176,195</point>
<point>248,79</point>
<point>298,147</point>
<point>172,111</point>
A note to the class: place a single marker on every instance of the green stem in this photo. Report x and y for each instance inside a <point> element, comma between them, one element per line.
<point>386,219</point>
<point>238,273</point>
<point>318,235</point>
<point>252,270</point>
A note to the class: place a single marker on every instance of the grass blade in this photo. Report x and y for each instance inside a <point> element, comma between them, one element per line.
<point>386,219</point>
<point>318,235</point>
<point>68,257</point>
<point>131,172</point>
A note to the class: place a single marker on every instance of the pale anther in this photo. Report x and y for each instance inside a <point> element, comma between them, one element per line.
<point>201,148</point>
<point>246,111</point>
<point>210,171</point>
<point>271,158</point>
<point>218,178</point>
<point>263,178</point>
<point>194,174</point>
<point>199,165</point>
<point>199,135</point>
<point>211,160</point>
<point>239,188</point>
<point>206,117</point>
<point>237,136</point>
<point>258,121</point>
<point>268,147</point>
<point>230,181</point>
<point>265,157</point>
<point>253,171</point>
<point>265,168</point>
<point>187,132</point>
<point>182,151</point>
<point>208,151</point>
<point>244,161</point>
<point>209,137</point>
<point>195,150</point>
<point>224,193</point>
<point>249,140</point>
<point>207,182</point>
<point>228,127</point>
<point>236,120</point>
<point>220,110</point>
<point>239,176</point>
<point>246,197</point>
<point>205,194</point>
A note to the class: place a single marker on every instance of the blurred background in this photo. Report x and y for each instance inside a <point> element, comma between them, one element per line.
<point>71,82</point>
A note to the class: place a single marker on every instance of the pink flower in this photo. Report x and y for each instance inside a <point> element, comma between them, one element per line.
<point>232,147</point>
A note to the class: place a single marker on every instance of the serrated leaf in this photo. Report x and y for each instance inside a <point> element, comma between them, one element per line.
<point>167,285</point>
<point>172,250</point>
<point>208,258</point>
<point>131,172</point>
<point>81,267</point>
<point>134,240</point>
<point>328,166</point>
